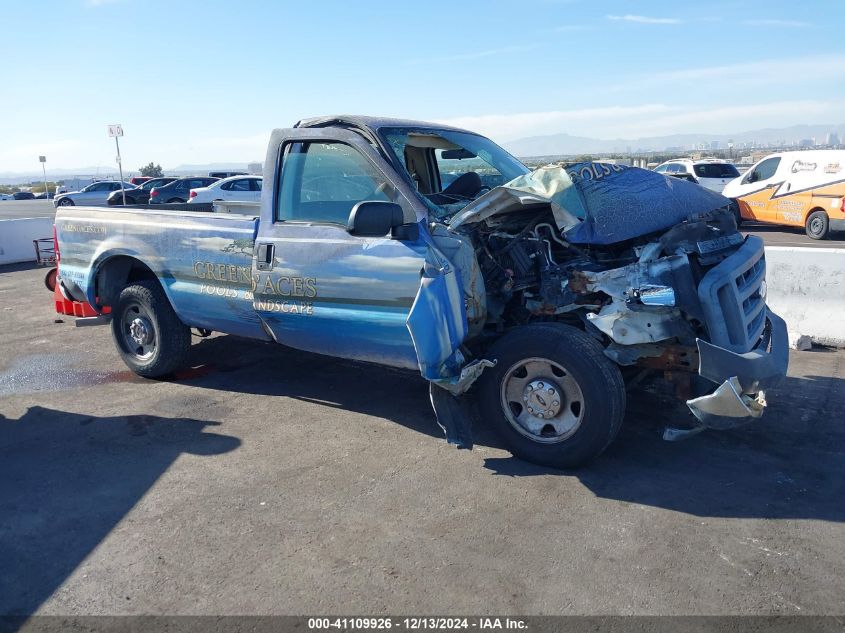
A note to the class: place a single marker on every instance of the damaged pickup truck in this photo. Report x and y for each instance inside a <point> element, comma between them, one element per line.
<point>426,247</point>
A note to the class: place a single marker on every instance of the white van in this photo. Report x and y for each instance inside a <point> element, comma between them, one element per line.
<point>801,188</point>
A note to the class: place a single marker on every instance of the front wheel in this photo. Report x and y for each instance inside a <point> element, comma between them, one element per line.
<point>65,202</point>
<point>553,396</point>
<point>817,225</point>
<point>149,336</point>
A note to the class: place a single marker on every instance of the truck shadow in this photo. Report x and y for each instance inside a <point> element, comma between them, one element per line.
<point>789,465</point>
<point>67,479</point>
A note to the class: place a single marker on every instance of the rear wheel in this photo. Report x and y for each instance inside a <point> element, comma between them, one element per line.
<point>553,396</point>
<point>817,225</point>
<point>149,336</point>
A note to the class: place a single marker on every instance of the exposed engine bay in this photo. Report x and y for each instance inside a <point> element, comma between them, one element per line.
<point>653,269</point>
<point>532,273</point>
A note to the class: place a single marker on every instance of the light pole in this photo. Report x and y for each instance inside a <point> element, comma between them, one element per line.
<point>117,131</point>
<point>43,161</point>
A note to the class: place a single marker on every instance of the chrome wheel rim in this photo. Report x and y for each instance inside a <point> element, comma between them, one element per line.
<point>139,335</point>
<point>541,400</point>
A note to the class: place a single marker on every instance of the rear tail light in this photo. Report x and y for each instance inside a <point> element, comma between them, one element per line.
<point>153,193</point>
<point>842,206</point>
<point>193,194</point>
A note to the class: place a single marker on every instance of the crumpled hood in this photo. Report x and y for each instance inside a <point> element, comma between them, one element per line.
<point>599,203</point>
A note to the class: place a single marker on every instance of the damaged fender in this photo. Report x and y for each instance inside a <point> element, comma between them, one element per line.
<point>438,326</point>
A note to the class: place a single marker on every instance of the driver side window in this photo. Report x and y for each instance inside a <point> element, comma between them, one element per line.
<point>321,182</point>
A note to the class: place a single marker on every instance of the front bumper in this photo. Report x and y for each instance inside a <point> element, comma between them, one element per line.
<point>741,378</point>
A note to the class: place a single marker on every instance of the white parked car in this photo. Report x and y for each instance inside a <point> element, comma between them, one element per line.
<point>711,173</point>
<point>235,188</point>
<point>6,196</point>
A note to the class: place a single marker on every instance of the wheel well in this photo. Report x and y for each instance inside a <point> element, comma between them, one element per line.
<point>116,273</point>
<point>812,211</point>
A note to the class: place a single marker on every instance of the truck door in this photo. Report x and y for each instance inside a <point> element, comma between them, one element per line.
<point>756,189</point>
<point>319,288</point>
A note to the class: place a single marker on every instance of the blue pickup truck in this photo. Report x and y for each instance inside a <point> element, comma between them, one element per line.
<point>420,246</point>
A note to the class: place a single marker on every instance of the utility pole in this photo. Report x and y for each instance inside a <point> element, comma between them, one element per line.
<point>117,131</point>
<point>43,161</point>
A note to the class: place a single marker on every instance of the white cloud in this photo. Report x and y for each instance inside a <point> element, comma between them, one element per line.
<point>778,23</point>
<point>512,126</point>
<point>772,72</point>
<point>642,19</point>
<point>649,120</point>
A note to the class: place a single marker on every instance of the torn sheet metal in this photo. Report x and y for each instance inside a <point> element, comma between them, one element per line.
<point>460,252</point>
<point>454,416</point>
<point>438,324</point>
<point>469,374</point>
<point>632,327</point>
<point>437,320</point>
<point>599,203</point>
<point>728,406</point>
<point>629,282</point>
<point>547,185</point>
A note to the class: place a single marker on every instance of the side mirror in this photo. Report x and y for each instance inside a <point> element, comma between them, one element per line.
<point>752,177</point>
<point>372,218</point>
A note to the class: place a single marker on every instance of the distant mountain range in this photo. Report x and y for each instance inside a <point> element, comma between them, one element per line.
<point>567,144</point>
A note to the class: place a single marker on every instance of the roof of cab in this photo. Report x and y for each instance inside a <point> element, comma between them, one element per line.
<point>372,122</point>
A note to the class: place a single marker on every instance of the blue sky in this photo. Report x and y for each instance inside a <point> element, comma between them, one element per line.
<point>204,81</point>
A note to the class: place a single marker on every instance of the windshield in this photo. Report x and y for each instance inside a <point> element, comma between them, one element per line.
<point>450,169</point>
<point>716,170</point>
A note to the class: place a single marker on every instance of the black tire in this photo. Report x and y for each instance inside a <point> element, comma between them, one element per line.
<point>50,279</point>
<point>570,356</point>
<point>176,201</point>
<point>817,225</point>
<point>150,338</point>
<point>66,202</point>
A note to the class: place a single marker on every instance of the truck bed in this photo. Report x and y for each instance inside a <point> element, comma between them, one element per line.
<point>203,259</point>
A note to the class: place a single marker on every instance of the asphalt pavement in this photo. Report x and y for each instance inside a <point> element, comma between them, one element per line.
<point>267,481</point>
<point>16,209</point>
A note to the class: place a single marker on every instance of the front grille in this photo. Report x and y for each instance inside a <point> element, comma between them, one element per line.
<point>730,295</point>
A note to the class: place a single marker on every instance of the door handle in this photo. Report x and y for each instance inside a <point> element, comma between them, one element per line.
<point>264,257</point>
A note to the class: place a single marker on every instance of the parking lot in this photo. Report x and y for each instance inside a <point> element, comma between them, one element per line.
<point>264,480</point>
